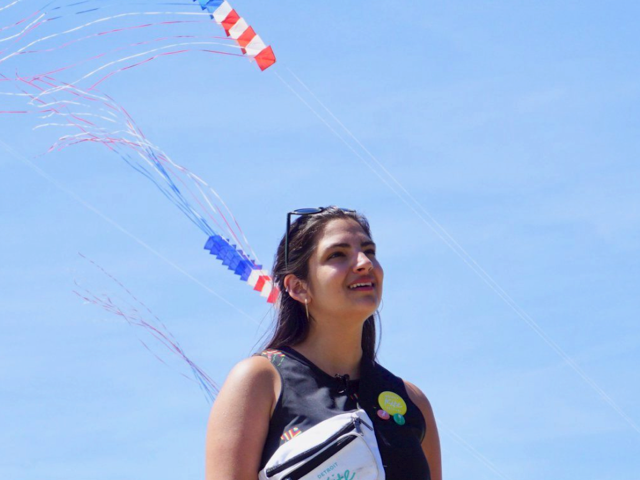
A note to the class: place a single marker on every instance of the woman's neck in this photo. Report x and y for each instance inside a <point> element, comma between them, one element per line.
<point>337,351</point>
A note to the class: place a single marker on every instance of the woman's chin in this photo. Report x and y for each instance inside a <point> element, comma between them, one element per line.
<point>366,308</point>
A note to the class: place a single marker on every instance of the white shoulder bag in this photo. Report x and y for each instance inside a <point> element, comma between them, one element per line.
<point>343,447</point>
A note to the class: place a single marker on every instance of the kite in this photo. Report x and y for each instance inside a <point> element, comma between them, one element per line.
<point>55,81</point>
<point>237,28</point>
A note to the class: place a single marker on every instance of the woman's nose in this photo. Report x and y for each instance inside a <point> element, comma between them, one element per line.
<point>363,262</point>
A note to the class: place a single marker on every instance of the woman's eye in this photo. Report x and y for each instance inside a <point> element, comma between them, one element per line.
<point>336,254</point>
<point>371,252</point>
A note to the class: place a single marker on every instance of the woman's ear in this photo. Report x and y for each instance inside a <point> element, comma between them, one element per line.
<point>297,288</point>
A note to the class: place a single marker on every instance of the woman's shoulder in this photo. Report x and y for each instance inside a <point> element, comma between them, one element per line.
<point>418,397</point>
<point>239,419</point>
<point>257,371</point>
<point>252,376</point>
<point>254,379</point>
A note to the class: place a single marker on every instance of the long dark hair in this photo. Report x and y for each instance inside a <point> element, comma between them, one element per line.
<point>292,325</point>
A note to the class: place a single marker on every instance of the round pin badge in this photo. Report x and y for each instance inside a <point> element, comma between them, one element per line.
<point>399,419</point>
<point>383,415</point>
<point>392,403</point>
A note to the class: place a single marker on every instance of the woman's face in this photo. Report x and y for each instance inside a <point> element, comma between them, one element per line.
<point>345,278</point>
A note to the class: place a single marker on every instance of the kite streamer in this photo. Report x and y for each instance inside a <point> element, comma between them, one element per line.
<point>134,314</point>
<point>64,91</point>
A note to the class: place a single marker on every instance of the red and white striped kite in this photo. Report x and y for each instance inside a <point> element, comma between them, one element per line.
<point>237,28</point>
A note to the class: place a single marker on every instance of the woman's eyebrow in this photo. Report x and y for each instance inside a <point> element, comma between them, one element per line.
<point>366,243</point>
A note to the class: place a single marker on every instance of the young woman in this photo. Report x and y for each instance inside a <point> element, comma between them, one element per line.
<point>320,361</point>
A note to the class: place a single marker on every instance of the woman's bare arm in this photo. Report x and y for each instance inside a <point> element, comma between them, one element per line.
<point>431,442</point>
<point>239,421</point>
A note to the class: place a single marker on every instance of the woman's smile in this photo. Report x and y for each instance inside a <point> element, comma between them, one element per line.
<point>363,285</point>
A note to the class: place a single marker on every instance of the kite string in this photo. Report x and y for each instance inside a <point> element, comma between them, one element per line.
<point>476,454</point>
<point>448,239</point>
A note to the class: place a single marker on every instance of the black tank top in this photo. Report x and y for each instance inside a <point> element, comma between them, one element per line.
<point>309,395</point>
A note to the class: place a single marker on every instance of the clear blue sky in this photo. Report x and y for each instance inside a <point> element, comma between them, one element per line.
<point>513,124</point>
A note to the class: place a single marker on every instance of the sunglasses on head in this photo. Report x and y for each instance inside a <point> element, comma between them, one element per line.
<point>302,212</point>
